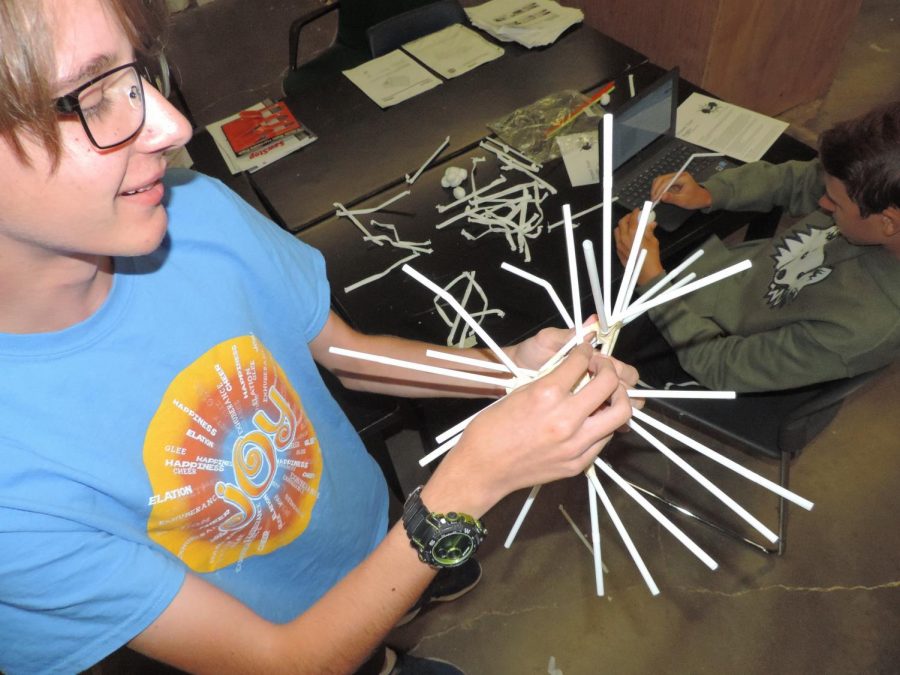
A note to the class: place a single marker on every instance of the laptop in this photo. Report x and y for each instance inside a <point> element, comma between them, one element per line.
<point>645,146</point>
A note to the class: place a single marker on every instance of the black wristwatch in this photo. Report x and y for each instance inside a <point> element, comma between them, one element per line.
<point>441,540</point>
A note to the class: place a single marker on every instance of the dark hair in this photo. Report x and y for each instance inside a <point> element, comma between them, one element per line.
<point>27,63</point>
<point>864,154</point>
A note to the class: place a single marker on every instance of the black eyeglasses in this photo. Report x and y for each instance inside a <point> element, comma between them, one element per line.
<point>111,106</point>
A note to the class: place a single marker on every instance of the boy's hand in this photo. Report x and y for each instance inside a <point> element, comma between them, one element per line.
<point>684,192</point>
<point>539,433</point>
<point>624,235</point>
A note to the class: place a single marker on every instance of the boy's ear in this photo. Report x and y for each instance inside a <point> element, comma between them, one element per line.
<point>891,221</point>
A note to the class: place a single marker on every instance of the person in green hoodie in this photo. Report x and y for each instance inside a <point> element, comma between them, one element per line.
<point>822,298</point>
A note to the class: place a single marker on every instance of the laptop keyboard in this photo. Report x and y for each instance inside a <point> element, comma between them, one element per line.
<point>636,190</point>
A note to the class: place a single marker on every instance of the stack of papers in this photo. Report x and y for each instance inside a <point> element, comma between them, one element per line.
<point>453,51</point>
<point>532,23</point>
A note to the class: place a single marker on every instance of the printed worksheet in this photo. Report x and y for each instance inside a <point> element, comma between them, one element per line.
<point>453,51</point>
<point>723,127</point>
<point>392,78</point>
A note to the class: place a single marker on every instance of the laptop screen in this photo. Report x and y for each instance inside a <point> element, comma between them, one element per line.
<point>644,118</point>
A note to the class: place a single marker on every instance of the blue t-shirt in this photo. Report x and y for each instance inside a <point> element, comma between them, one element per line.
<point>182,427</point>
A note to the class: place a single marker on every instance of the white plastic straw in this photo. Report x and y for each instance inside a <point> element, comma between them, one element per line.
<point>632,259</point>
<point>659,517</point>
<point>526,507</point>
<point>412,365</point>
<point>458,358</point>
<point>632,283</point>
<point>576,216</point>
<point>607,215</point>
<point>671,275</point>
<point>671,294</point>
<point>705,482</point>
<point>341,209</point>
<point>626,538</point>
<point>573,272</point>
<point>428,161</point>
<point>546,286</point>
<point>681,171</point>
<point>595,532</point>
<point>591,263</point>
<point>474,325</point>
<point>635,309</point>
<point>724,461</point>
<point>679,393</point>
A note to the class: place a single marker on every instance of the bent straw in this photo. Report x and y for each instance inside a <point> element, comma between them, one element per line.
<point>626,538</point>
<point>341,209</point>
<point>546,286</point>
<point>681,171</point>
<point>383,273</point>
<point>705,482</point>
<point>659,517</point>
<point>444,207</point>
<point>724,461</point>
<point>474,325</point>
<point>590,209</point>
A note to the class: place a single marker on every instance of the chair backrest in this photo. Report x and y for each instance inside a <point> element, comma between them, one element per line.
<point>355,17</point>
<point>391,33</point>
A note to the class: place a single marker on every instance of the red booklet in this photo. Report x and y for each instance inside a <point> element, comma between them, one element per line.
<point>255,128</point>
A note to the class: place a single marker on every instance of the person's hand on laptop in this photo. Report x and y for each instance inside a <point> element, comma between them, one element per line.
<point>625,233</point>
<point>684,191</point>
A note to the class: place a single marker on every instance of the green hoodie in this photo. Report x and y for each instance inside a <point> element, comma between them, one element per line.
<point>812,308</point>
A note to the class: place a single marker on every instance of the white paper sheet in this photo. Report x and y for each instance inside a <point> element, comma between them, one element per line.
<point>723,127</point>
<point>453,51</point>
<point>392,78</point>
<point>581,157</point>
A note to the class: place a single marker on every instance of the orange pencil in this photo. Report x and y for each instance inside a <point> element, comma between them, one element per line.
<point>580,109</point>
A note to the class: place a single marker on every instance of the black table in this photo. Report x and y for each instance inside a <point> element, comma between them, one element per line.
<point>398,304</point>
<point>363,149</point>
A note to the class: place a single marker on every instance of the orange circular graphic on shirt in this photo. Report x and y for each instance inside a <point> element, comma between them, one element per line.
<point>233,461</point>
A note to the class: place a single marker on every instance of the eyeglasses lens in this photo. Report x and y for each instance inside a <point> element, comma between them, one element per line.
<point>113,108</point>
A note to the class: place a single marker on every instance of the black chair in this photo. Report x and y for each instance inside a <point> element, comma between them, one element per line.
<point>351,44</point>
<point>391,33</point>
<point>778,425</point>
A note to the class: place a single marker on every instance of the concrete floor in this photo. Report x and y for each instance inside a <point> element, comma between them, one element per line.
<point>830,605</point>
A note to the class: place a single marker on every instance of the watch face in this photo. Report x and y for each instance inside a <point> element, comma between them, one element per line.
<point>453,549</point>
